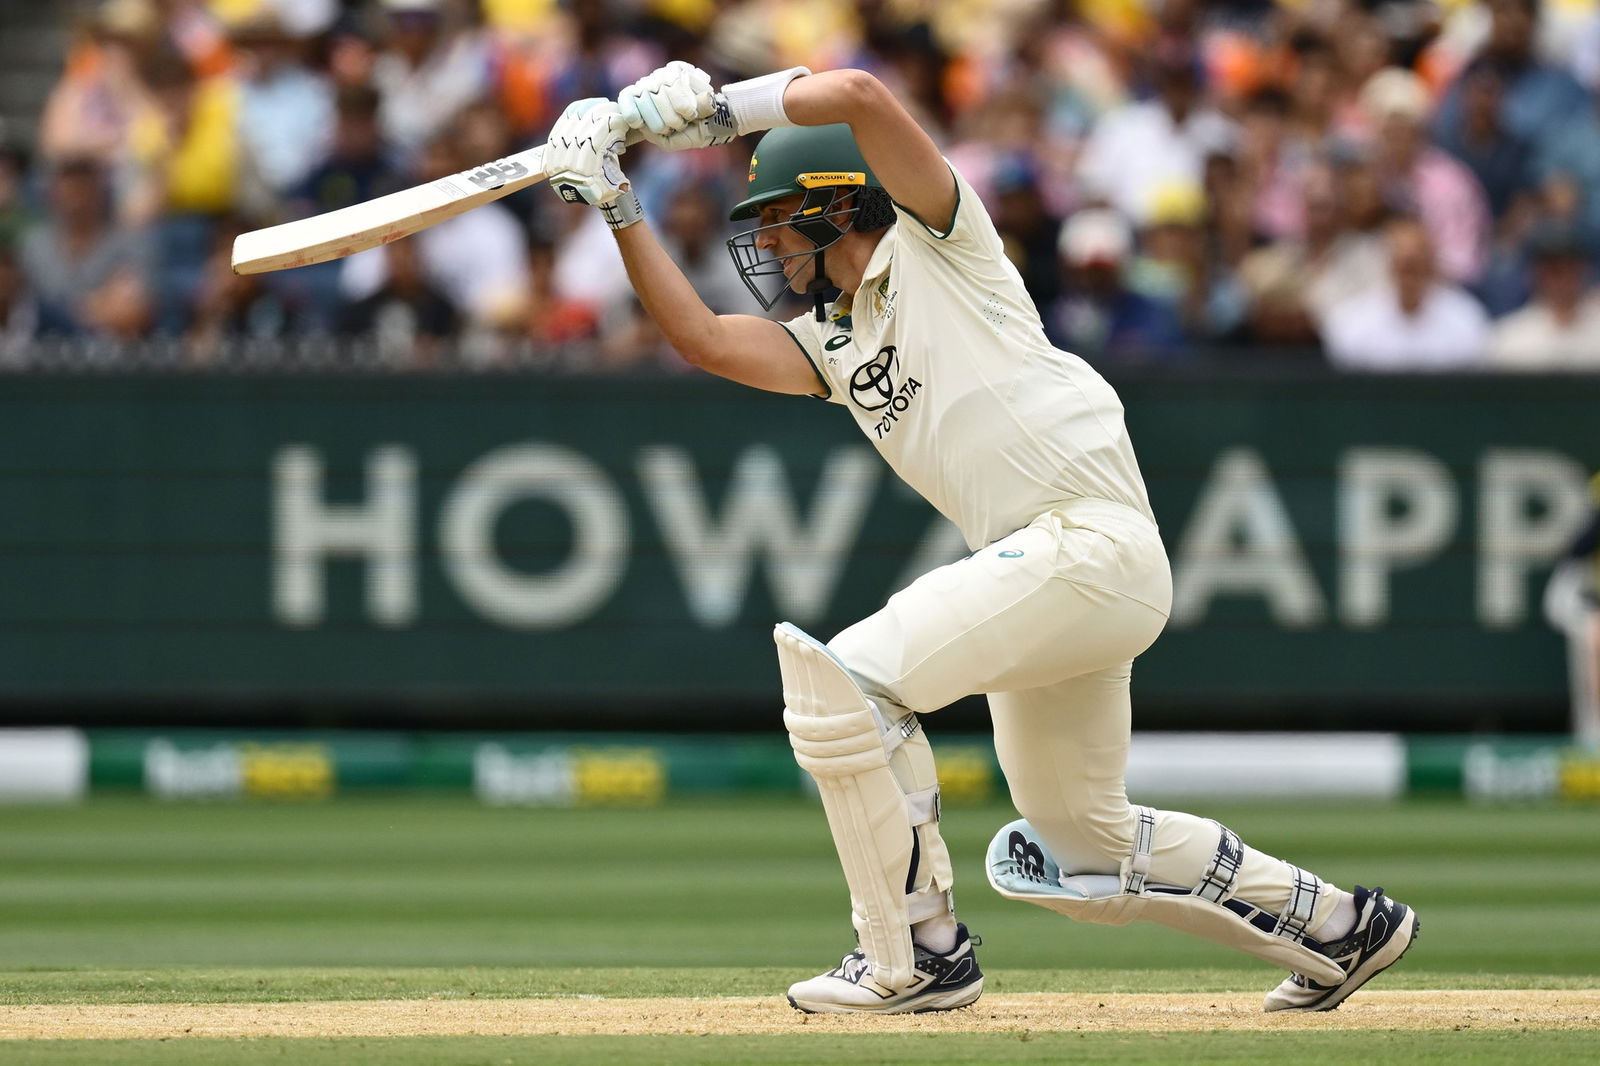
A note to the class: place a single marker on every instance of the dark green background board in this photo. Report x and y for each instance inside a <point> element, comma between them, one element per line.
<point>137,537</point>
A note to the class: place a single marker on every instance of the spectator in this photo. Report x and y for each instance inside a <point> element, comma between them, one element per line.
<point>302,20</point>
<point>1413,321</point>
<point>285,116</point>
<point>184,145</point>
<point>14,208</point>
<point>1584,60</point>
<point>1290,285</point>
<point>1139,147</point>
<point>1313,89</point>
<point>359,165</point>
<point>1098,316</point>
<point>19,314</point>
<point>1422,180</point>
<point>1567,169</point>
<point>1027,228</point>
<point>588,268</point>
<point>233,307</point>
<point>920,71</point>
<point>87,275</point>
<point>407,320</point>
<point>1272,164</point>
<point>692,232</point>
<point>286,109</point>
<point>1364,49</point>
<point>1008,129</point>
<point>1356,255</point>
<point>522,53</point>
<point>190,169</point>
<point>752,36</point>
<point>482,134</point>
<point>1538,99</point>
<point>427,72</point>
<point>1560,327</point>
<point>630,340</point>
<point>599,57</point>
<point>1498,158</point>
<point>89,111</point>
<point>554,320</point>
<point>476,260</point>
<point>1229,230</point>
<point>1174,270</point>
<point>191,29</point>
<point>1077,64</point>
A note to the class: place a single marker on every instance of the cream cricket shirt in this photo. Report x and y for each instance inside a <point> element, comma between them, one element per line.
<point>942,360</point>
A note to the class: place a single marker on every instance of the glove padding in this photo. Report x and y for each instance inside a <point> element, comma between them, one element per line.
<point>716,128</point>
<point>667,100</point>
<point>582,157</point>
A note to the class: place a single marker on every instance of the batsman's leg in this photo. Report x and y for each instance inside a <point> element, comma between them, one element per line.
<point>1001,618</point>
<point>1082,850</point>
<point>875,775</point>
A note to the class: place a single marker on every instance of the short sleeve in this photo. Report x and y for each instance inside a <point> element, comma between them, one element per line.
<point>972,235</point>
<point>804,331</point>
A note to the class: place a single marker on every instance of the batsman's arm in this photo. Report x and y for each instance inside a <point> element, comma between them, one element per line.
<point>899,151</point>
<point>752,351</point>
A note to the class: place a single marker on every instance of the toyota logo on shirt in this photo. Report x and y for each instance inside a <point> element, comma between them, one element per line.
<point>872,385</point>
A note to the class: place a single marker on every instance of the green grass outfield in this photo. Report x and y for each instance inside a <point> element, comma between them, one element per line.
<point>129,901</point>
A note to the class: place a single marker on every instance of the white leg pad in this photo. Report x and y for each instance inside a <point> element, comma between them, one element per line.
<point>1020,867</point>
<point>838,737</point>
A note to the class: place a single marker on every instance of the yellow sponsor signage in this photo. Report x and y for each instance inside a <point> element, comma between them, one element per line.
<point>285,771</point>
<point>965,774</point>
<point>1580,777</point>
<point>629,776</point>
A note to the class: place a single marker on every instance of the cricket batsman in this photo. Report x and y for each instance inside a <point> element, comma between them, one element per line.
<point>937,352</point>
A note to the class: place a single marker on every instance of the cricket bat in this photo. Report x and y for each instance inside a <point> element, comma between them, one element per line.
<point>356,228</point>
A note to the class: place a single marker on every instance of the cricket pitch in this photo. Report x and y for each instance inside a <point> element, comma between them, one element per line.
<point>594,1015</point>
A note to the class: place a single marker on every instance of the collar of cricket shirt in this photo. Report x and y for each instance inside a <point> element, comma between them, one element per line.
<point>882,256</point>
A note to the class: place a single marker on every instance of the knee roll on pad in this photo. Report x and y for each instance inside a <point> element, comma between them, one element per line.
<point>840,739</point>
<point>1021,867</point>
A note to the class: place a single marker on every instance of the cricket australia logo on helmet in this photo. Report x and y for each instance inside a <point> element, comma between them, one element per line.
<point>872,385</point>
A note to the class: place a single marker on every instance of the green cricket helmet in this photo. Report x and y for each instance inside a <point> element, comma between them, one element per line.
<point>823,165</point>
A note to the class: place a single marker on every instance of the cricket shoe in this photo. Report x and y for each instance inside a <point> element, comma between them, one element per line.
<point>1383,931</point>
<point>940,981</point>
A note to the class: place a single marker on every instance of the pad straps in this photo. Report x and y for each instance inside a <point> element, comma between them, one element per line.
<point>1217,884</point>
<point>1223,873</point>
<point>899,731</point>
<point>1296,917</point>
<point>1137,866</point>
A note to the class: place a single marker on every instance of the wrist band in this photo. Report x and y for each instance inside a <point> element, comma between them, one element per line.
<point>622,212</point>
<point>757,104</point>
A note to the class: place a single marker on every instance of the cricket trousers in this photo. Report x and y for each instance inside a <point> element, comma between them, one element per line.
<point>1046,622</point>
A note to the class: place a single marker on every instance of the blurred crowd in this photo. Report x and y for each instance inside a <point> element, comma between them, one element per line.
<point>1379,185</point>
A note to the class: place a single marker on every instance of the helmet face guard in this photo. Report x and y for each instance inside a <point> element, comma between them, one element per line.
<point>820,219</point>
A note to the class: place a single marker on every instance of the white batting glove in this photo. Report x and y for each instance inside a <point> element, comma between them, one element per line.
<point>716,128</point>
<point>582,160</point>
<point>667,99</point>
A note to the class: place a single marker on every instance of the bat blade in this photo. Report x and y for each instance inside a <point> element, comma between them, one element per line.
<point>356,228</point>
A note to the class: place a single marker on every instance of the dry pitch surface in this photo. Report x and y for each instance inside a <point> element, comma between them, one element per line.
<point>591,1015</point>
